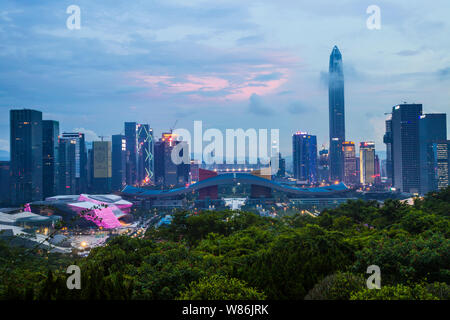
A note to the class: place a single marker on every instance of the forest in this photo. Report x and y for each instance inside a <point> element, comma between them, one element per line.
<point>226,255</point>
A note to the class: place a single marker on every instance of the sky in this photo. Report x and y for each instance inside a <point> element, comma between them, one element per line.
<point>231,64</point>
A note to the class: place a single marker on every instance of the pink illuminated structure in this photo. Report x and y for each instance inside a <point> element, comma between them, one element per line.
<point>105,211</point>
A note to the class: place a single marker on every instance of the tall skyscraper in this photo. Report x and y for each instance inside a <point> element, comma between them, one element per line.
<point>5,177</point>
<point>336,114</point>
<point>72,163</point>
<point>304,147</point>
<point>387,139</point>
<point>323,168</point>
<point>50,162</point>
<point>405,147</point>
<point>432,129</point>
<point>350,177</point>
<point>101,151</point>
<point>26,156</point>
<point>145,151</point>
<point>441,164</point>
<point>167,173</point>
<point>131,144</point>
<point>367,163</point>
<point>119,161</point>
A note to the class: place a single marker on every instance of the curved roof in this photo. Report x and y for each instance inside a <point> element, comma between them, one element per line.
<point>228,178</point>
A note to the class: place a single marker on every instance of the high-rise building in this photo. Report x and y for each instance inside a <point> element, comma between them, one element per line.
<point>323,168</point>
<point>119,162</point>
<point>5,177</point>
<point>72,163</point>
<point>50,162</point>
<point>131,144</point>
<point>145,158</point>
<point>387,139</point>
<point>281,173</point>
<point>102,173</point>
<point>441,164</point>
<point>432,128</point>
<point>167,173</point>
<point>377,171</point>
<point>367,163</point>
<point>304,147</point>
<point>26,156</point>
<point>336,114</point>
<point>350,177</point>
<point>405,147</point>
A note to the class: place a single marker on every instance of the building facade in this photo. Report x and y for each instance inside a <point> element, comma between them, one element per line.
<point>72,163</point>
<point>350,177</point>
<point>26,156</point>
<point>367,163</point>
<point>405,147</point>
<point>119,162</point>
<point>102,168</point>
<point>432,129</point>
<point>304,147</point>
<point>336,114</point>
<point>50,159</point>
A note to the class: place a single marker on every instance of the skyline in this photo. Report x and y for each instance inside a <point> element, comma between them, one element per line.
<point>229,66</point>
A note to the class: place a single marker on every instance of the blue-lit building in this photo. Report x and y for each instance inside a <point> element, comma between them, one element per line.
<point>336,115</point>
<point>26,156</point>
<point>405,147</point>
<point>433,151</point>
<point>131,145</point>
<point>304,147</point>
<point>50,162</point>
<point>119,162</point>
<point>145,158</point>
<point>72,163</point>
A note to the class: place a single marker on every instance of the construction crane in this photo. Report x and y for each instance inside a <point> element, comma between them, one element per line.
<point>174,125</point>
<point>102,137</point>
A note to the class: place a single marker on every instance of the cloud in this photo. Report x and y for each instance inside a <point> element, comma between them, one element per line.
<point>408,53</point>
<point>4,145</point>
<point>257,107</point>
<point>444,74</point>
<point>297,107</point>
<point>260,80</point>
<point>89,135</point>
<point>249,40</point>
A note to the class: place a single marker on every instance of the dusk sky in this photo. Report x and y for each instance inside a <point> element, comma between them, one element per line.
<point>231,64</point>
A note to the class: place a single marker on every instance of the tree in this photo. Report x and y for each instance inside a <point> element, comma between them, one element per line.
<point>219,287</point>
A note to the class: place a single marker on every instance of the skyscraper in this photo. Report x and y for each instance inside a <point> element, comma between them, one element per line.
<point>336,114</point>
<point>441,164</point>
<point>145,154</point>
<point>5,177</point>
<point>167,173</point>
<point>304,147</point>
<point>387,139</point>
<point>405,147</point>
<point>350,177</point>
<point>119,161</point>
<point>72,163</point>
<point>367,163</point>
<point>26,156</point>
<point>131,144</point>
<point>101,152</point>
<point>50,162</point>
<point>323,168</point>
<point>432,129</point>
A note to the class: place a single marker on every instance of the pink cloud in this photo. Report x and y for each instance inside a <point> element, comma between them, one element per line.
<point>227,86</point>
